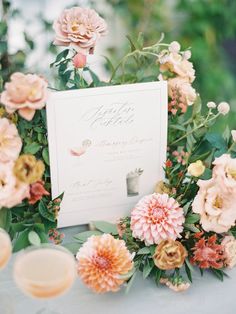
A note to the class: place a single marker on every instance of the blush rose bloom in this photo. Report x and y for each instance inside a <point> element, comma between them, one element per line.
<point>25,93</point>
<point>12,192</point>
<point>10,141</point>
<point>216,208</point>
<point>177,64</point>
<point>224,173</point>
<point>186,93</point>
<point>79,28</point>
<point>229,245</point>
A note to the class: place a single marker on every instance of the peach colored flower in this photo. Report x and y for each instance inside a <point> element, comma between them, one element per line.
<point>224,172</point>
<point>175,286</point>
<point>207,253</point>
<point>79,60</point>
<point>25,93</point>
<point>177,64</point>
<point>10,141</point>
<point>12,192</point>
<point>216,208</point>
<point>229,245</point>
<point>169,254</point>
<point>157,217</point>
<point>102,261</point>
<point>79,28</point>
<point>181,92</point>
<point>37,191</point>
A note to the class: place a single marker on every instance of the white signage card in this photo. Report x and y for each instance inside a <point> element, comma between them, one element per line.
<point>107,148</point>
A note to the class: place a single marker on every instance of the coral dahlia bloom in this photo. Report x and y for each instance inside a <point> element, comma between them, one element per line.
<point>10,141</point>
<point>37,191</point>
<point>25,93</point>
<point>79,28</point>
<point>157,217</point>
<point>101,262</point>
<point>207,253</point>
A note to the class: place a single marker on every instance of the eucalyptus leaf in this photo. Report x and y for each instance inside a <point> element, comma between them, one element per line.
<point>83,236</point>
<point>33,238</point>
<point>105,227</point>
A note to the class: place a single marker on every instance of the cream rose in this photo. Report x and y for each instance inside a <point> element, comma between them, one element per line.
<point>25,93</point>
<point>224,172</point>
<point>79,28</point>
<point>229,244</point>
<point>216,208</point>
<point>10,141</point>
<point>196,169</point>
<point>12,191</point>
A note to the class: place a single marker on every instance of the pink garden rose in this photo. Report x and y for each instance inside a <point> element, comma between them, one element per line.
<point>79,28</point>
<point>224,172</point>
<point>157,217</point>
<point>176,63</point>
<point>216,208</point>
<point>25,93</point>
<point>12,192</point>
<point>229,245</point>
<point>10,141</point>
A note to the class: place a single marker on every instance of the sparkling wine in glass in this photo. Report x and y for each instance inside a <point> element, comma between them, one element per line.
<point>44,272</point>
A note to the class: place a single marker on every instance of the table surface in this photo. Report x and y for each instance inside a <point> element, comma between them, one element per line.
<point>207,295</point>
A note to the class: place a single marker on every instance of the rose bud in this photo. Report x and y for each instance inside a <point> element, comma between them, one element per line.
<point>79,61</point>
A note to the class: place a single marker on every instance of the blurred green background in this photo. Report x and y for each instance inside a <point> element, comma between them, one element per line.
<point>207,26</point>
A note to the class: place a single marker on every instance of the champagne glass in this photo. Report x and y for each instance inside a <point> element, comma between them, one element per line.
<point>5,248</point>
<point>44,272</point>
<point>6,306</point>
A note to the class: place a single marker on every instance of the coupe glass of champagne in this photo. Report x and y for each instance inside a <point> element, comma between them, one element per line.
<point>44,272</point>
<point>5,248</point>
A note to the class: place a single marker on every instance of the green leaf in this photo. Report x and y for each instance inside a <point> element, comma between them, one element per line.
<point>83,236</point>
<point>45,155</point>
<point>159,273</point>
<point>143,251</point>
<point>148,266</point>
<point>128,275</point>
<point>32,148</point>
<point>192,218</point>
<point>188,272</point>
<point>106,227</point>
<point>191,228</point>
<point>186,207</point>
<point>33,238</point>
<point>43,210</point>
<point>130,283</point>
<point>197,106</point>
<point>5,218</point>
<point>177,127</point>
<point>73,247</point>
<point>62,55</point>
<point>22,241</point>
<point>218,273</point>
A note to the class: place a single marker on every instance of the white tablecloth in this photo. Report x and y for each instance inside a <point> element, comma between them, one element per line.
<point>206,295</point>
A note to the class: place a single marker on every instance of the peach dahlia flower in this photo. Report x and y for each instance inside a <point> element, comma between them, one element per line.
<point>25,93</point>
<point>157,217</point>
<point>12,192</point>
<point>10,141</point>
<point>216,208</point>
<point>101,262</point>
<point>79,28</point>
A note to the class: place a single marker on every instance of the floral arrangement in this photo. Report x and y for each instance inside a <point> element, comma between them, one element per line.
<point>188,220</point>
